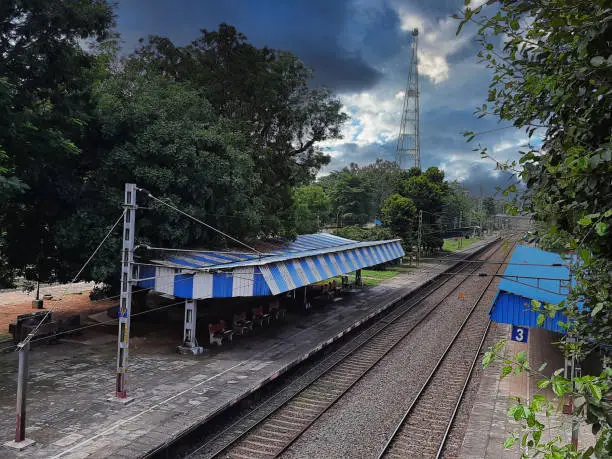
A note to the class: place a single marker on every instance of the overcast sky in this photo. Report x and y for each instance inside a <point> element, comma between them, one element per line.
<point>361,50</point>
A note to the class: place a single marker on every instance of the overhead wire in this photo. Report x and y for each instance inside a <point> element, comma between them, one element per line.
<point>33,332</point>
<point>200,221</point>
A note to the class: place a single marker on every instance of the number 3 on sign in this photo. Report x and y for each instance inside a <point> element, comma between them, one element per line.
<point>520,334</point>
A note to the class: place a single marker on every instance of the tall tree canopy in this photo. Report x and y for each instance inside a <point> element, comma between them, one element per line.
<point>46,83</point>
<point>264,93</point>
<point>223,129</point>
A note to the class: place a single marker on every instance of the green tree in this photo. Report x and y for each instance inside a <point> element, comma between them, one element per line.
<point>46,105</point>
<point>349,195</point>
<point>358,233</point>
<point>398,214</point>
<point>425,194</point>
<point>380,177</point>
<point>457,205</point>
<point>312,208</point>
<point>164,136</point>
<point>265,93</point>
<point>489,205</point>
<point>551,63</point>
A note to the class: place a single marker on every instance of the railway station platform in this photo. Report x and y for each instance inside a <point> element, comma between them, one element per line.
<point>72,411</point>
<point>489,424</point>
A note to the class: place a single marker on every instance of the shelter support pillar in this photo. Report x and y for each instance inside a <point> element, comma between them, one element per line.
<point>306,302</point>
<point>358,281</point>
<point>190,343</point>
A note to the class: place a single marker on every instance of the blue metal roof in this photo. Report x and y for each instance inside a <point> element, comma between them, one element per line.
<point>537,274</point>
<point>532,274</point>
<point>310,258</point>
<point>509,308</point>
<point>305,244</point>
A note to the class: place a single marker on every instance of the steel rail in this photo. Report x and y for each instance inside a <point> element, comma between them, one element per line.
<point>465,385</point>
<point>395,435</point>
<point>463,389</point>
<point>325,405</point>
<point>411,302</point>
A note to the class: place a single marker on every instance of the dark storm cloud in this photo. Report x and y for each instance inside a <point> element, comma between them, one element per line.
<point>310,29</point>
<point>483,176</point>
<point>358,49</point>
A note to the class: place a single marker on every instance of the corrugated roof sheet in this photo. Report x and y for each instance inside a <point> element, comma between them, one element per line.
<point>532,274</point>
<point>537,274</point>
<point>303,246</point>
<point>308,259</point>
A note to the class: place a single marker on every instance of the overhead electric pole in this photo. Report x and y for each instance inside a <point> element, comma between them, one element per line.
<point>419,237</point>
<point>127,275</point>
<point>408,152</point>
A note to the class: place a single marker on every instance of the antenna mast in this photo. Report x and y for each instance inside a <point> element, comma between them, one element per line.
<point>408,153</point>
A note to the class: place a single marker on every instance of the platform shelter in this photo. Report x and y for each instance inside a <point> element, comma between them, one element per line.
<point>531,274</point>
<point>311,258</point>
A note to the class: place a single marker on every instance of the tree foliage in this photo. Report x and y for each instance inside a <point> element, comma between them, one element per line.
<point>358,233</point>
<point>263,93</point>
<point>551,65</point>
<point>398,214</point>
<point>46,103</point>
<point>221,128</point>
<point>312,207</point>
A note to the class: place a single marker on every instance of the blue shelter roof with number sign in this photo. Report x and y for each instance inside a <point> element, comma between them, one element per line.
<point>532,274</point>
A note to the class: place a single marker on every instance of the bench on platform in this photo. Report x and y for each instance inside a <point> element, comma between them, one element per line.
<point>218,333</point>
<point>259,316</point>
<point>276,312</point>
<point>241,325</point>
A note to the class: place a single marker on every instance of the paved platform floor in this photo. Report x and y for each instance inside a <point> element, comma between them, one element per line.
<point>489,424</point>
<point>68,413</point>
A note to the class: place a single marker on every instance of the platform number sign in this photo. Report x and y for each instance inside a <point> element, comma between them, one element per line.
<point>520,334</point>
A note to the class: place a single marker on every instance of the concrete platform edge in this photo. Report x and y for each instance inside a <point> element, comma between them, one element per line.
<point>389,304</point>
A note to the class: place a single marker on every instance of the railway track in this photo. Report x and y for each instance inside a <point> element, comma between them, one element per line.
<point>426,425</point>
<point>276,431</point>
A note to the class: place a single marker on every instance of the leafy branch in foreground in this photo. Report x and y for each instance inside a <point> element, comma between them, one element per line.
<point>550,62</point>
<point>591,402</point>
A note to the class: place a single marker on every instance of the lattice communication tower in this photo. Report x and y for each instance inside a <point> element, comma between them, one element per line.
<point>408,153</point>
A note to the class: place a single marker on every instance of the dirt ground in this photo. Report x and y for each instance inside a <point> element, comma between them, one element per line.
<point>66,300</point>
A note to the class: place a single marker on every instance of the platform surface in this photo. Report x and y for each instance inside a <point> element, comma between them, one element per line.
<point>68,414</point>
<point>489,424</point>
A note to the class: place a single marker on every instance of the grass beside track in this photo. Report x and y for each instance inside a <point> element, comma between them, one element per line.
<point>369,277</point>
<point>452,244</point>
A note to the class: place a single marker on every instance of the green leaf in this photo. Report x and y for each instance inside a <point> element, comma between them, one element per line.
<point>585,221</point>
<point>540,320</point>
<point>521,357</point>
<point>595,391</point>
<point>541,367</point>
<point>601,228</point>
<point>514,24</point>
<point>510,441</point>
<point>597,309</point>
<point>543,383</point>
<point>487,358</point>
<point>560,385</point>
<point>597,61</point>
<point>506,371</point>
<point>537,434</point>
